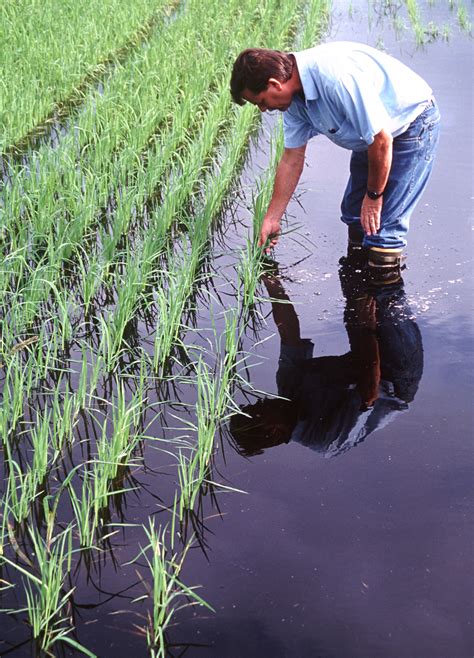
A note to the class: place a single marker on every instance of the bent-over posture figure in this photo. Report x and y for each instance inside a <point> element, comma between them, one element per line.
<point>335,402</point>
<point>363,100</point>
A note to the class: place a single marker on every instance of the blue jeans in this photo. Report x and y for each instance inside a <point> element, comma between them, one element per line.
<point>412,162</point>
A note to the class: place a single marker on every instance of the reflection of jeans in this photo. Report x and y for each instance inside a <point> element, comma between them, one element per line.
<point>398,336</point>
<point>412,161</point>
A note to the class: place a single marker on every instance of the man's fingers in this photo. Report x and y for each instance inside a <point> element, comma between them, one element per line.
<point>268,241</point>
<point>370,215</point>
<point>371,224</point>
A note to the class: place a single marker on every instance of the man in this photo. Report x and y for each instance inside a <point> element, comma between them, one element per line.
<point>363,100</point>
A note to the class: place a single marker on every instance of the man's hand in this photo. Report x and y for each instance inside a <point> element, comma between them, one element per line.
<point>370,215</point>
<point>270,232</point>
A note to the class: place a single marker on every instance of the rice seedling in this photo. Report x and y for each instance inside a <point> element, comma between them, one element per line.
<point>416,21</point>
<point>41,442</point>
<point>15,386</point>
<point>85,511</point>
<point>252,260</point>
<point>399,25</point>
<point>171,297</point>
<point>64,417</point>
<point>89,377</point>
<point>446,32</point>
<point>432,31</point>
<point>21,491</point>
<point>116,444</point>
<point>47,600</point>
<point>463,19</point>
<point>168,593</point>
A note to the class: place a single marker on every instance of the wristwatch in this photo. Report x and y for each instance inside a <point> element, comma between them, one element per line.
<point>374,195</point>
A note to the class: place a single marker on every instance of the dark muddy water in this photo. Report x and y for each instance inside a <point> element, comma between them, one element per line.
<point>353,549</point>
<point>369,553</point>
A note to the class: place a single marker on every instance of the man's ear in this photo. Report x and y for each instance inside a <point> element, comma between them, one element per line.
<point>276,84</point>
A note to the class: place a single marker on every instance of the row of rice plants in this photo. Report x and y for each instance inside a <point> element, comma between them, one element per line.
<point>106,334</point>
<point>425,32</point>
<point>112,453</point>
<point>174,285</point>
<point>49,47</point>
<point>44,226</point>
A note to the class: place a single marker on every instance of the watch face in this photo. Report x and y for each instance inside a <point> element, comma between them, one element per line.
<point>374,195</point>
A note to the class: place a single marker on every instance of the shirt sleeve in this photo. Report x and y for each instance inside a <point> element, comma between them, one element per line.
<point>297,130</point>
<point>360,101</point>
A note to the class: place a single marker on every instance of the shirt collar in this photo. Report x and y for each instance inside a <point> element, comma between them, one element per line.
<point>309,88</point>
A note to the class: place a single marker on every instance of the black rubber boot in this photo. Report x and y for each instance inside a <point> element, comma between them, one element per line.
<point>356,252</point>
<point>384,266</point>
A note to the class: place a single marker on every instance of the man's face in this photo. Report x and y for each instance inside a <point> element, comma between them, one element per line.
<point>277,96</point>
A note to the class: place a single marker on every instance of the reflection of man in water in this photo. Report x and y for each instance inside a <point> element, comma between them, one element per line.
<point>335,402</point>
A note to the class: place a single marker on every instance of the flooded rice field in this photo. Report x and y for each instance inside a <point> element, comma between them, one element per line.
<point>358,542</point>
<point>367,553</point>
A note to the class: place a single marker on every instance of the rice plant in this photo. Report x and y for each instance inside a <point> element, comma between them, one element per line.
<point>47,598</point>
<point>416,21</point>
<point>168,593</point>
<point>463,19</point>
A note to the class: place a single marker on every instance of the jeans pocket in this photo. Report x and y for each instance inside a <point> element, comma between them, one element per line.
<point>413,133</point>
<point>427,120</point>
<point>409,144</point>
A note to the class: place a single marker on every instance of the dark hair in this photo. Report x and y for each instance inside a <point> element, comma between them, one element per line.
<point>255,66</point>
<point>264,424</point>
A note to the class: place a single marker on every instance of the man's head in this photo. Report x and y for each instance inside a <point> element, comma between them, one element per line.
<point>266,423</point>
<point>264,78</point>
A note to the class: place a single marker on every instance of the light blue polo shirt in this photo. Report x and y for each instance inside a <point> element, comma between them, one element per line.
<point>352,92</point>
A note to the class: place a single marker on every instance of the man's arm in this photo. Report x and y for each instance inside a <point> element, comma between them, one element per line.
<point>380,162</point>
<point>368,352</point>
<point>284,313</point>
<point>287,176</point>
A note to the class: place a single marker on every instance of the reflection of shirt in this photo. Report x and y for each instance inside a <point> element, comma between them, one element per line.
<point>330,419</point>
<point>329,415</point>
<point>351,92</point>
